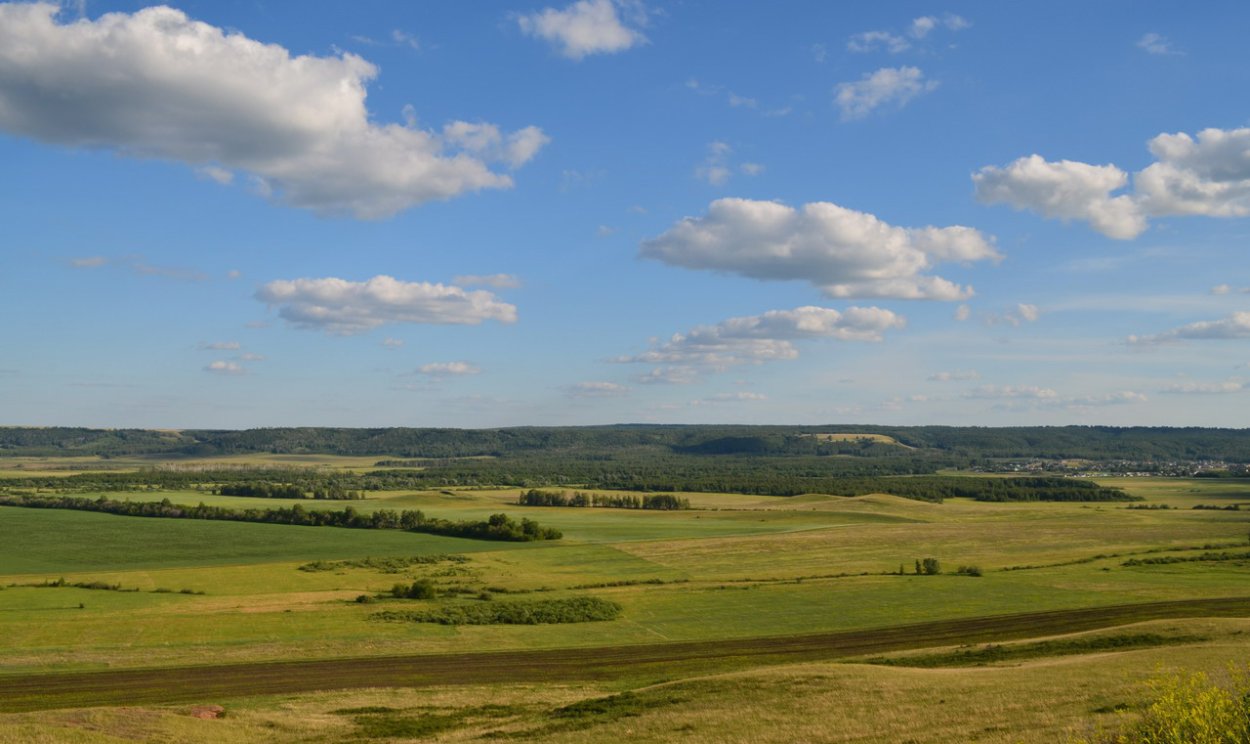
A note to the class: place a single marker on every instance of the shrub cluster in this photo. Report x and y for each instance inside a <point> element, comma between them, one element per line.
<point>659,501</point>
<point>548,611</point>
<point>1190,710</point>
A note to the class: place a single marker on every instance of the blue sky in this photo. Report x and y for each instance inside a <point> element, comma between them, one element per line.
<point>238,214</point>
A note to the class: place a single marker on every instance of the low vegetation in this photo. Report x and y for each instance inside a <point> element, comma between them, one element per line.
<point>384,565</point>
<point>657,502</point>
<point>331,492</point>
<point>584,609</point>
<point>497,527</point>
<point>1190,709</point>
<point>993,653</point>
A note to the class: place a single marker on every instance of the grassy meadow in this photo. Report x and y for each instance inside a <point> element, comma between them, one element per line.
<point>193,592</point>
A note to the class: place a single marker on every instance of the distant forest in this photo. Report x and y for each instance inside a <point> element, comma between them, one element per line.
<point>926,447</point>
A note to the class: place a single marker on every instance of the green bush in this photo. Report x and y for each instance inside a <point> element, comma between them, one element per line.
<point>1191,709</point>
<point>569,610</point>
<point>419,589</point>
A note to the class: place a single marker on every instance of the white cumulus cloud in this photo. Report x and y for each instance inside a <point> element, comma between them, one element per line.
<point>587,27</point>
<point>674,375</point>
<point>157,84</point>
<point>918,30</point>
<point>1236,325</point>
<point>715,167</point>
<point>1209,175</point>
<point>742,396</point>
<point>1117,398</point>
<point>1066,190</point>
<point>1205,388</point>
<point>1206,175</point>
<point>956,376</point>
<point>844,252</point>
<point>448,369</point>
<point>768,337</point>
<point>996,392</point>
<point>871,41</point>
<point>344,307</point>
<point>1157,44</point>
<point>889,85</point>
<point>222,367</point>
<point>596,389</point>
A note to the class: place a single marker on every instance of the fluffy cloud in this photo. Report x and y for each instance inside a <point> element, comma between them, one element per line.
<point>1120,397</point>
<point>586,27</point>
<point>1021,313</point>
<point>222,367</point>
<point>715,167</point>
<point>956,376</point>
<point>677,375</point>
<point>595,390</point>
<point>1236,325</point>
<point>156,84</point>
<point>889,85</point>
<point>1157,44</point>
<point>920,28</point>
<point>844,252</point>
<point>738,397</point>
<point>1208,175</point>
<point>1065,190</point>
<point>448,369</point>
<point>1205,388</point>
<point>343,307</point>
<point>1001,392</point>
<point>871,41</point>
<point>768,337</point>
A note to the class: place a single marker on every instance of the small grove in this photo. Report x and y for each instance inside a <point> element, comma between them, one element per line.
<point>329,492</point>
<point>496,527</point>
<point>659,501</point>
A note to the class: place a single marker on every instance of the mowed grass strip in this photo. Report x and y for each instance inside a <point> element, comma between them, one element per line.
<point>187,684</point>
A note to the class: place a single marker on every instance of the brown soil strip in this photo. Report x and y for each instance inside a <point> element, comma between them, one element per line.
<point>216,683</point>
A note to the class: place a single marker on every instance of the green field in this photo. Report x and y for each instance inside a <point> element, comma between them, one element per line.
<point>734,569</point>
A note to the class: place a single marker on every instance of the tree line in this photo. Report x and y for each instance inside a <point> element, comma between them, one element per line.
<point>496,527</point>
<point>659,501</point>
<point>1086,442</point>
<point>330,492</point>
<point>764,476</point>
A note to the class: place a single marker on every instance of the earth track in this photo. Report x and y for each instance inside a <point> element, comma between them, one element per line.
<point>164,685</point>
